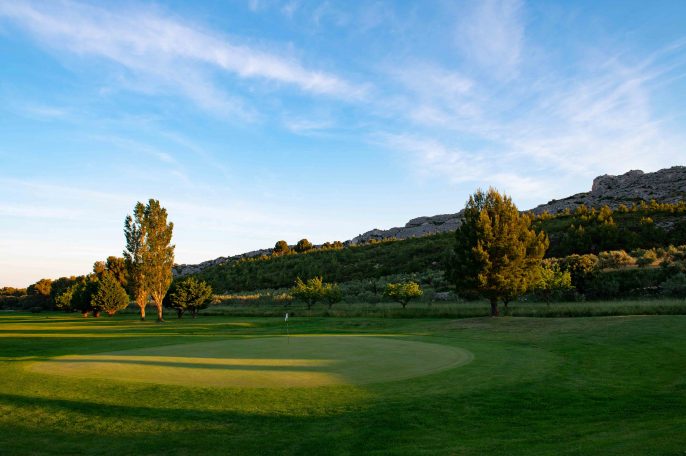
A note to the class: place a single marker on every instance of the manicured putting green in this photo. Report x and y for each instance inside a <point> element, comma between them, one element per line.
<point>269,362</point>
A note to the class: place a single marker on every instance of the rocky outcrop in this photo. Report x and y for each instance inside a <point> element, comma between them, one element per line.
<point>180,270</point>
<point>665,186</point>
<point>420,226</point>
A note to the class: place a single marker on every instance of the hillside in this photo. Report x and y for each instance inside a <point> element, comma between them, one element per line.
<point>664,186</point>
<point>584,231</point>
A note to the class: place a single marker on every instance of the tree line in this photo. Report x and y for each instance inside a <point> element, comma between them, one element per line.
<point>143,274</point>
<point>498,253</point>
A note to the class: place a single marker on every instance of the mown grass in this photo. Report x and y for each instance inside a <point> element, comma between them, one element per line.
<point>607,385</point>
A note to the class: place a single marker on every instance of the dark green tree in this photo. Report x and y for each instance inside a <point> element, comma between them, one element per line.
<point>117,267</point>
<point>188,294</point>
<point>332,294</point>
<point>82,295</point>
<point>39,292</point>
<point>109,296</point>
<point>496,253</point>
<point>58,287</point>
<point>281,248</point>
<point>63,300</point>
<point>303,245</point>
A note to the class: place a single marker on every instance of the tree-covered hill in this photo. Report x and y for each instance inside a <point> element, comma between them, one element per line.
<point>583,231</point>
<point>335,265</point>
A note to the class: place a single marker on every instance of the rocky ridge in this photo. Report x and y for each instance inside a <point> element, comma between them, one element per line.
<point>665,186</point>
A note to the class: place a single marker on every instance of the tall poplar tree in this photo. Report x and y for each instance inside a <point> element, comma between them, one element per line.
<point>134,256</point>
<point>496,254</point>
<point>158,253</point>
<point>149,254</point>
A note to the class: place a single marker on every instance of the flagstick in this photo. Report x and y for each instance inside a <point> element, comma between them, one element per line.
<point>288,335</point>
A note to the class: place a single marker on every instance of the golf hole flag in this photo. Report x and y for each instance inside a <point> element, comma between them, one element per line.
<point>286,317</point>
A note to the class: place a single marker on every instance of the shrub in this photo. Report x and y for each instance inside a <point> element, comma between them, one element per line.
<point>675,286</point>
<point>553,283</point>
<point>614,259</point>
<point>647,258</point>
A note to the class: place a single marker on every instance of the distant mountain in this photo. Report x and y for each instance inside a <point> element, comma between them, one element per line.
<point>665,186</point>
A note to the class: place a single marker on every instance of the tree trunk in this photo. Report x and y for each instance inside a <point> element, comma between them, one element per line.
<point>85,314</point>
<point>195,313</point>
<point>142,303</point>
<point>179,312</point>
<point>160,317</point>
<point>404,304</point>
<point>494,307</point>
<point>96,313</point>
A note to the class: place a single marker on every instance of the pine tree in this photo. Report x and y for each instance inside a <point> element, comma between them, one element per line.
<point>303,245</point>
<point>281,248</point>
<point>496,254</point>
<point>109,295</point>
<point>188,294</point>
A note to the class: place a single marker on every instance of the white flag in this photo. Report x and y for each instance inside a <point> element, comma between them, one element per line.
<point>286,319</point>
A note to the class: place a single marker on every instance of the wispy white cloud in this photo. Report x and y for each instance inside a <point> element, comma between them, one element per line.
<point>289,8</point>
<point>491,33</point>
<point>42,111</point>
<point>542,138</point>
<point>164,51</point>
<point>300,125</point>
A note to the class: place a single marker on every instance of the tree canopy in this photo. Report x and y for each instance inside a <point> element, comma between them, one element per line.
<point>496,253</point>
<point>303,245</point>
<point>149,254</point>
<point>188,294</point>
<point>109,295</point>
<point>403,292</point>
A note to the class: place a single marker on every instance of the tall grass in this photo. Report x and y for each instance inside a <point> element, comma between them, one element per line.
<point>263,307</point>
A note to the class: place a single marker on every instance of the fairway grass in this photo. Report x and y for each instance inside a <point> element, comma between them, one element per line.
<point>266,362</point>
<point>535,386</point>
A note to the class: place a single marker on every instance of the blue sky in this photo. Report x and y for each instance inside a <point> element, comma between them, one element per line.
<point>254,121</point>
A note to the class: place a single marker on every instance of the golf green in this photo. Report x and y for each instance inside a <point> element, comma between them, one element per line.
<point>266,362</point>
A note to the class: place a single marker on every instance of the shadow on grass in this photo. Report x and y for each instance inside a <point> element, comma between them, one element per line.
<point>244,367</point>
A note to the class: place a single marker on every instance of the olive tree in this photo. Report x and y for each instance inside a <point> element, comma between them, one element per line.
<point>403,292</point>
<point>309,292</point>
